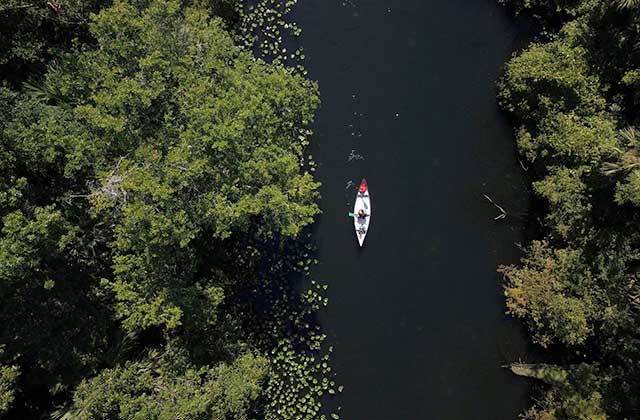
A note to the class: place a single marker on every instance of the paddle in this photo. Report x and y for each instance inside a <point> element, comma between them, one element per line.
<point>353,214</point>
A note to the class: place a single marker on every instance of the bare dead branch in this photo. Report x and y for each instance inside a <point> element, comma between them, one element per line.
<point>503,212</point>
<point>526,168</point>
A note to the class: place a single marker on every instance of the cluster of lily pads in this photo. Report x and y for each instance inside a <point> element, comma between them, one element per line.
<point>263,28</point>
<point>301,376</point>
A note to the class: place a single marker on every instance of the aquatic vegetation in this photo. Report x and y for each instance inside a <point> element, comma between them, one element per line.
<point>301,377</point>
<point>266,29</point>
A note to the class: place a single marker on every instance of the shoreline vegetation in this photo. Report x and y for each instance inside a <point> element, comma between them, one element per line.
<point>156,198</point>
<point>573,97</point>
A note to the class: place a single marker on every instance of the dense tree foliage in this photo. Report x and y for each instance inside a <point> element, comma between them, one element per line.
<point>573,97</point>
<point>154,191</point>
<point>168,388</point>
<point>33,31</point>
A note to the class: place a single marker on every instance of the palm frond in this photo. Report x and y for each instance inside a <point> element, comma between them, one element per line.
<point>36,89</point>
<point>627,4</point>
<point>611,168</point>
<point>630,135</point>
<point>63,413</point>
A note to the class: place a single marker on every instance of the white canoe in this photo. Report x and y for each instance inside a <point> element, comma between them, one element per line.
<point>363,203</point>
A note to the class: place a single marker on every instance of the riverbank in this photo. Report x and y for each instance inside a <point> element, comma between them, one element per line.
<point>573,99</point>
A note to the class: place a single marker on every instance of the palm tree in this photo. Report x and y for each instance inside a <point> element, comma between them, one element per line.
<point>629,159</point>
<point>627,4</point>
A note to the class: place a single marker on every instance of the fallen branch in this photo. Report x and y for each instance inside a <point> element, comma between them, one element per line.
<point>526,168</point>
<point>503,212</point>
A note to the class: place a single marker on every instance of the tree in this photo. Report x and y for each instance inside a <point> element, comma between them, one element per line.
<point>551,78</point>
<point>140,177</point>
<point>569,199</point>
<point>567,295</point>
<point>53,311</point>
<point>576,392</point>
<point>34,31</point>
<point>8,378</point>
<point>576,286</point>
<point>562,8</point>
<point>542,292</point>
<point>149,390</point>
<point>570,139</point>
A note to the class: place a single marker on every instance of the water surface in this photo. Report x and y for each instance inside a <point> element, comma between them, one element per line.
<point>417,316</point>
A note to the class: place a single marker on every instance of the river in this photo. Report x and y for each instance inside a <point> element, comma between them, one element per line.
<point>417,315</point>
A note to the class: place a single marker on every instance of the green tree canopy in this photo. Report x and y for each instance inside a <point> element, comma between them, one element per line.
<point>573,98</point>
<point>140,176</point>
<point>150,390</point>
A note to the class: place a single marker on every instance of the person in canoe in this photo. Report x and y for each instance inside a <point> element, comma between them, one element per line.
<point>362,214</point>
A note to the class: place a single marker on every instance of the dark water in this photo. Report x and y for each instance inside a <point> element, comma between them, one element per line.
<point>417,316</point>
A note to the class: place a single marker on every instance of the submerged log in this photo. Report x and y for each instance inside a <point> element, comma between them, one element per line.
<point>551,374</point>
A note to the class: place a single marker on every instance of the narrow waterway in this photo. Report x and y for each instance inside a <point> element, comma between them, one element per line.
<point>408,101</point>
